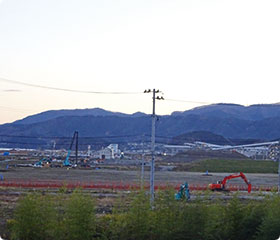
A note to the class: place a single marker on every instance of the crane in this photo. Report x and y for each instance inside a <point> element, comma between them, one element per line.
<point>66,162</point>
<point>220,185</point>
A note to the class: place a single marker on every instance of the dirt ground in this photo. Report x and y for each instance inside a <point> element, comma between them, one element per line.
<point>107,175</point>
<point>105,198</point>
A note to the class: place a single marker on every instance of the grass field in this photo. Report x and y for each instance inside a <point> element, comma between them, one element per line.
<point>220,165</point>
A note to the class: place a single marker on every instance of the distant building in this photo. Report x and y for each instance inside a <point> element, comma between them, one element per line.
<point>174,149</point>
<point>110,152</point>
<point>115,149</point>
<point>106,153</point>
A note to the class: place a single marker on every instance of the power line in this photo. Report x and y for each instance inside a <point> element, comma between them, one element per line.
<point>90,92</point>
<point>63,144</point>
<point>63,137</point>
<point>63,89</point>
<point>88,138</point>
<point>187,101</point>
<point>98,140</point>
<point>17,109</point>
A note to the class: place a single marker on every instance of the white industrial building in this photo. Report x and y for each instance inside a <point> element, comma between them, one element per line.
<point>109,152</point>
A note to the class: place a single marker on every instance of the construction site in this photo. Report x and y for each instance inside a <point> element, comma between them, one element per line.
<point>132,164</point>
<point>188,175</point>
<point>191,174</point>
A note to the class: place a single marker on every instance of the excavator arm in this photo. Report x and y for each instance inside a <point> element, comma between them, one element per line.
<point>221,185</point>
<point>237,175</point>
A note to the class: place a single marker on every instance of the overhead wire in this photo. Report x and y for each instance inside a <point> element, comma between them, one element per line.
<point>186,101</point>
<point>63,89</point>
<point>83,141</point>
<point>64,144</point>
<point>64,137</point>
<point>143,138</point>
<point>17,109</point>
<point>119,142</point>
<point>91,92</point>
<point>87,92</point>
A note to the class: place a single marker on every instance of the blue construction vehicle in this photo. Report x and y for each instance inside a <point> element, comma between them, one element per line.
<point>42,162</point>
<point>183,193</point>
<point>66,162</point>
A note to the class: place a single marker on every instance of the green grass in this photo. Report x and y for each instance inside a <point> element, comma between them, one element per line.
<point>220,165</point>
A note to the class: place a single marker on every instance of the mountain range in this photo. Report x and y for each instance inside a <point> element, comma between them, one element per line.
<point>230,121</point>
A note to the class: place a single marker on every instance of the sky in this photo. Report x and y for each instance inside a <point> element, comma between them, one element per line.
<point>195,52</point>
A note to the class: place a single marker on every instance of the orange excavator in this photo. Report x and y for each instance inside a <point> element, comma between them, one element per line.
<point>220,185</point>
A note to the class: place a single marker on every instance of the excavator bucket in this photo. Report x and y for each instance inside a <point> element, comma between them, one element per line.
<point>249,187</point>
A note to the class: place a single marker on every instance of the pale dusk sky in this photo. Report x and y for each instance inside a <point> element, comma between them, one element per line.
<point>202,51</point>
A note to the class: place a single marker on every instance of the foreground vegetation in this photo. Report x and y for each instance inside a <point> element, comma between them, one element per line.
<point>228,165</point>
<point>63,217</point>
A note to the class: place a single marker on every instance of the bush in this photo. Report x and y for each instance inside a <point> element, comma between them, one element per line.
<point>33,218</point>
<point>164,216</point>
<point>73,217</point>
<point>270,226</point>
<point>253,215</point>
<point>42,217</point>
<point>137,220</point>
<point>79,217</point>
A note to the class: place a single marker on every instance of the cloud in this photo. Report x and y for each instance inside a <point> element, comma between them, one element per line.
<point>11,90</point>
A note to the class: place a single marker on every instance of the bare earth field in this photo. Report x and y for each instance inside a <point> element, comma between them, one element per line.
<point>105,198</point>
<point>107,175</point>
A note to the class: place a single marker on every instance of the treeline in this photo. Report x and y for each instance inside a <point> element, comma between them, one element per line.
<point>64,217</point>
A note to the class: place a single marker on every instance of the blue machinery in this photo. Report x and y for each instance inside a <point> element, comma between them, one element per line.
<point>183,193</point>
<point>42,161</point>
<point>66,162</point>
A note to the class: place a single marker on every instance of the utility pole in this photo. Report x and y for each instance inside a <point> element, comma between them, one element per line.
<point>153,137</point>
<point>142,165</point>
<point>275,155</point>
<point>53,152</point>
<point>76,152</point>
<point>278,158</point>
